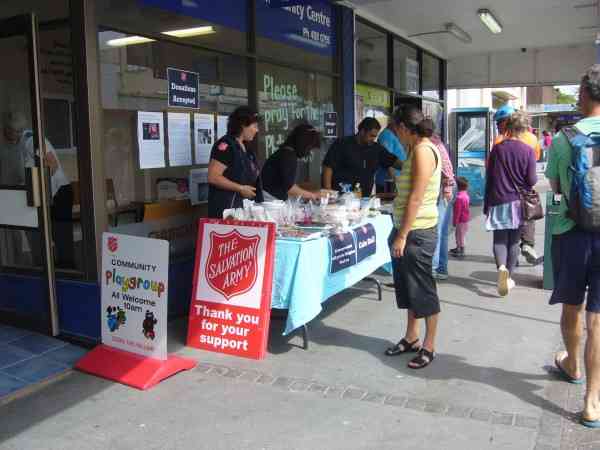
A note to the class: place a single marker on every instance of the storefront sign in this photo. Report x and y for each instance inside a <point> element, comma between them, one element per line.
<point>330,125</point>
<point>343,252</point>
<point>229,13</point>
<point>183,89</point>
<point>373,96</point>
<point>135,286</point>
<point>366,242</point>
<point>231,300</point>
<point>308,24</point>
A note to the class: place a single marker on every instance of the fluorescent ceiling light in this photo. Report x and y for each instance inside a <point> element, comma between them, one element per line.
<point>490,21</point>
<point>129,40</point>
<point>458,33</point>
<point>189,32</point>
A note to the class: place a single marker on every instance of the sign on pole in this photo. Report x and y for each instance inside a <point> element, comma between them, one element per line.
<point>231,299</point>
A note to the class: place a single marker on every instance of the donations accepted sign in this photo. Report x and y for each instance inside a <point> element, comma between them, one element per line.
<point>135,284</point>
<point>183,88</point>
<point>231,299</point>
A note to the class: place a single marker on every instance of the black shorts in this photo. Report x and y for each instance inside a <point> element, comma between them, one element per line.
<point>413,273</point>
<point>576,266</point>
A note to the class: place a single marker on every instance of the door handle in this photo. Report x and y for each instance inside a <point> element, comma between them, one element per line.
<point>34,196</point>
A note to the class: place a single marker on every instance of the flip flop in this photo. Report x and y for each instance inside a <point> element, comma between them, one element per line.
<point>590,423</point>
<point>564,375</point>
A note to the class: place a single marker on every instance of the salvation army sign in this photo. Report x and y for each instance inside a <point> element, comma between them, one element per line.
<point>135,282</point>
<point>231,267</point>
<point>231,299</point>
<point>182,89</point>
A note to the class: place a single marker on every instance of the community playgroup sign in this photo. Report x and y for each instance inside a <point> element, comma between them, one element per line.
<point>134,294</point>
<point>231,300</point>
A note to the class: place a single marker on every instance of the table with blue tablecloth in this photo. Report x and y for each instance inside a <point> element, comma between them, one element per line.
<point>302,280</point>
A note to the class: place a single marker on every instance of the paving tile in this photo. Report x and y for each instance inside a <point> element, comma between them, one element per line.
<point>317,388</point>
<point>396,400</point>
<point>502,418</point>
<point>354,394</point>
<point>527,422</point>
<point>8,334</point>
<point>9,384</point>
<point>37,343</point>
<point>10,355</point>
<point>35,369</point>
<point>461,412</point>
<point>374,397</point>
<point>67,355</point>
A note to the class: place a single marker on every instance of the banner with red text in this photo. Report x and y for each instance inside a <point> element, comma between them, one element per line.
<point>231,299</point>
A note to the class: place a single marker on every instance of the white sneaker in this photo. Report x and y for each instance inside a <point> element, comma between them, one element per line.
<point>529,253</point>
<point>503,279</point>
<point>511,284</point>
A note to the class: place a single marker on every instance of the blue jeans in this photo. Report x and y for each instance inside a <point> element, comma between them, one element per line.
<point>440,258</point>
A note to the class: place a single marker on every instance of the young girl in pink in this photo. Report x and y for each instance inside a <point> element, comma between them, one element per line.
<point>462,215</point>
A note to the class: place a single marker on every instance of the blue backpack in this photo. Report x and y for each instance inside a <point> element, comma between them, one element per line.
<point>584,200</point>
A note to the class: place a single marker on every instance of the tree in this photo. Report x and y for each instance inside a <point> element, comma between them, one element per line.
<point>565,99</point>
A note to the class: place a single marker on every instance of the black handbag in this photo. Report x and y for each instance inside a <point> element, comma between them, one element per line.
<point>531,203</point>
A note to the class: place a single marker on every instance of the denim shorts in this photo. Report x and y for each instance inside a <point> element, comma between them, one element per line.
<point>413,278</point>
<point>576,265</point>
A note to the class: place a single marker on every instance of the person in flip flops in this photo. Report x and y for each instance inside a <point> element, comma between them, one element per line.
<point>576,248</point>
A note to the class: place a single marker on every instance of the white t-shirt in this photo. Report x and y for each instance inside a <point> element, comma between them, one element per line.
<point>59,179</point>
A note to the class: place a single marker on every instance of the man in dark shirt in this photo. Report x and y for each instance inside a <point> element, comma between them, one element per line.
<point>355,159</point>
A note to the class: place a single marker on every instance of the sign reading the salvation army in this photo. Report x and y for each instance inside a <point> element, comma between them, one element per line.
<point>366,242</point>
<point>343,252</point>
<point>182,89</point>
<point>330,125</point>
<point>135,284</point>
<point>231,299</point>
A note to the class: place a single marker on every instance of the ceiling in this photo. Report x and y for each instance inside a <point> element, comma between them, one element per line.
<point>527,23</point>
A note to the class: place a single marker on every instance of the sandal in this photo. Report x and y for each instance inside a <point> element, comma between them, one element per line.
<point>423,359</point>
<point>403,347</point>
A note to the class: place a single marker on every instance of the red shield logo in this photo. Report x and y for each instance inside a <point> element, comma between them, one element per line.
<point>113,244</point>
<point>232,263</point>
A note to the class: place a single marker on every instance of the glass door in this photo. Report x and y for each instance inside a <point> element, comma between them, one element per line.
<point>28,170</point>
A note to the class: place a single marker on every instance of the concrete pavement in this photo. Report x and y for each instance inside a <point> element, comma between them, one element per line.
<point>490,387</point>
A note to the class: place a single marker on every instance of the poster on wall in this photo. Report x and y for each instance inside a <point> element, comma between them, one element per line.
<point>222,126</point>
<point>330,125</point>
<point>182,89</point>
<point>180,142</point>
<point>231,300</point>
<point>204,134</point>
<point>135,283</point>
<point>198,186</point>
<point>151,140</point>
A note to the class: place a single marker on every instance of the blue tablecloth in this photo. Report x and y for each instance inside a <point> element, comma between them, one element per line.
<point>302,281</point>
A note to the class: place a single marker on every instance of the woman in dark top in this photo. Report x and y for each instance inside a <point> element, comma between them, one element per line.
<point>511,169</point>
<point>233,173</point>
<point>279,172</point>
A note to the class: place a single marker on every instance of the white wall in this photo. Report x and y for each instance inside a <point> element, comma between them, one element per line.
<point>546,66</point>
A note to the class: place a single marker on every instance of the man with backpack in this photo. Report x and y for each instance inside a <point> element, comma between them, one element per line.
<point>574,173</point>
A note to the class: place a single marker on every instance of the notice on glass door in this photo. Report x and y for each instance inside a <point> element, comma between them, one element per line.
<point>204,133</point>
<point>180,141</point>
<point>222,126</point>
<point>151,140</point>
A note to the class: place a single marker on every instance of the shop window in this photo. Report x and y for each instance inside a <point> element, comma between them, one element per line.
<point>134,81</point>
<point>435,112</point>
<point>371,55</point>
<point>302,34</point>
<point>58,120</point>
<point>406,68</point>
<point>288,98</point>
<point>221,26</point>
<point>431,76</point>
